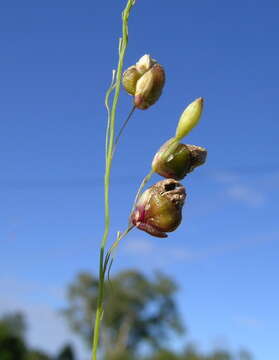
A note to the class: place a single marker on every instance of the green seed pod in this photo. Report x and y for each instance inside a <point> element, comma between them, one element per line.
<point>130,78</point>
<point>149,87</point>
<point>189,118</point>
<point>179,161</point>
<point>159,209</point>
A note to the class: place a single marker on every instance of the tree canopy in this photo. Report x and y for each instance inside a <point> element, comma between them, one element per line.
<point>13,345</point>
<point>137,309</point>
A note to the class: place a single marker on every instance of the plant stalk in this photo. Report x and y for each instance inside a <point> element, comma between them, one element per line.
<point>123,127</point>
<point>109,156</point>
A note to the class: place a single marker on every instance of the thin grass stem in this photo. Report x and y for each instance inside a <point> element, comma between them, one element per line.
<point>109,156</point>
<point>123,127</point>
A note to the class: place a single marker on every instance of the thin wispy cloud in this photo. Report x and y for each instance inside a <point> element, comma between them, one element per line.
<point>246,195</point>
<point>250,322</point>
<point>159,254</point>
<point>249,191</point>
<point>225,177</point>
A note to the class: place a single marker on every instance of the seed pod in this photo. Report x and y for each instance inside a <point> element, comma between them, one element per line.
<point>145,63</point>
<point>198,156</point>
<point>145,81</point>
<point>189,118</point>
<point>149,87</point>
<point>159,209</point>
<point>130,78</point>
<point>179,161</point>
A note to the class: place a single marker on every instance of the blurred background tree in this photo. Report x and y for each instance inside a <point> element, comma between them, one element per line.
<point>219,355</point>
<point>14,324</point>
<point>138,310</point>
<point>37,355</point>
<point>13,345</point>
<point>244,355</point>
<point>66,353</point>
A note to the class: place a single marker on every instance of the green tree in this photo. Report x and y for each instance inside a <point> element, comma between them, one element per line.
<point>220,355</point>
<point>12,342</point>
<point>14,323</point>
<point>191,353</point>
<point>137,310</point>
<point>164,354</point>
<point>121,355</point>
<point>244,355</point>
<point>37,355</point>
<point>67,353</point>
<point>12,345</point>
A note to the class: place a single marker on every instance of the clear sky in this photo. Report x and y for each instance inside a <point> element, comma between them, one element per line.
<point>55,65</point>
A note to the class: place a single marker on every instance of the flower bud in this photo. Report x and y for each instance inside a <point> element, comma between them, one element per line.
<point>145,81</point>
<point>159,208</point>
<point>179,161</point>
<point>189,119</point>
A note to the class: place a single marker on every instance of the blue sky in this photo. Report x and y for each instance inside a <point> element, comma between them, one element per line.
<point>55,66</point>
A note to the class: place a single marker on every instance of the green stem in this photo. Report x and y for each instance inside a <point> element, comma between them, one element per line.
<point>109,157</point>
<point>120,236</point>
<point>123,127</point>
<point>168,151</point>
<point>108,93</point>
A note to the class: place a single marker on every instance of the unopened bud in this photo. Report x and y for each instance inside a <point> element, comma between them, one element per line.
<point>189,119</point>
<point>145,81</point>
<point>177,160</point>
<point>159,209</point>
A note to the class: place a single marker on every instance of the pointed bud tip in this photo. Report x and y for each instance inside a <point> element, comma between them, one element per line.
<point>200,101</point>
<point>189,118</point>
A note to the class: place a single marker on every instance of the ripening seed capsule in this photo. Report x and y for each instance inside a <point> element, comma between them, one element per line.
<point>179,161</point>
<point>149,87</point>
<point>130,78</point>
<point>159,208</point>
<point>145,81</point>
